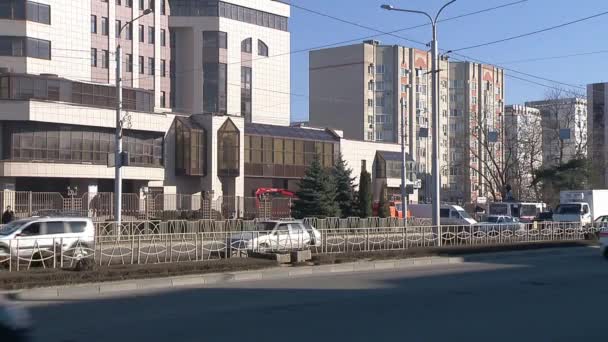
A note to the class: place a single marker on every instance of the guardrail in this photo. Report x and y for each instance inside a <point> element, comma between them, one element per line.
<point>25,253</point>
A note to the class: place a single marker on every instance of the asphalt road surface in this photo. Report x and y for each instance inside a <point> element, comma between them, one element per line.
<point>555,295</point>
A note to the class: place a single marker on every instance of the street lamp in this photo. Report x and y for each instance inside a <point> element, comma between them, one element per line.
<point>435,73</point>
<point>118,158</point>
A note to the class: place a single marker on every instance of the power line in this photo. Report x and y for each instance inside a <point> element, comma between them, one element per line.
<point>531,33</point>
<point>555,57</point>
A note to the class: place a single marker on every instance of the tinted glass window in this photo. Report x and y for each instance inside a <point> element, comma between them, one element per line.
<point>77,227</point>
<point>444,212</point>
<point>31,230</point>
<point>55,228</point>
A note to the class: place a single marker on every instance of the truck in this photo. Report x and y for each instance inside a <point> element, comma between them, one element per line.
<point>524,211</point>
<point>449,214</point>
<point>581,206</point>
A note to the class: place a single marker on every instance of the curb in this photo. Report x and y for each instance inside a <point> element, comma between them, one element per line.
<point>194,281</point>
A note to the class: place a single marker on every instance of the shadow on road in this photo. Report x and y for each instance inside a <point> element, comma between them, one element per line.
<point>547,297</point>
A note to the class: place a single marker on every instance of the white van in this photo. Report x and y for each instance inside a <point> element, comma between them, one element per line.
<point>26,237</point>
<point>450,214</point>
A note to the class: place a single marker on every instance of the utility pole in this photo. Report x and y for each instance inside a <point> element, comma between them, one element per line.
<point>118,157</point>
<point>435,84</point>
<point>403,166</point>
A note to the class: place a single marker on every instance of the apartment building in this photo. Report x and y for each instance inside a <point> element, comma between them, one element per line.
<point>564,128</point>
<point>476,125</point>
<point>597,120</point>
<point>523,149</point>
<point>365,89</point>
<point>193,73</point>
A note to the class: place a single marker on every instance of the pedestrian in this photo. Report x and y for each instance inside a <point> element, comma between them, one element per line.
<point>8,215</point>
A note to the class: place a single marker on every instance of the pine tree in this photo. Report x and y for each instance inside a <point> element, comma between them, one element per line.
<point>345,188</point>
<point>365,194</point>
<point>317,194</point>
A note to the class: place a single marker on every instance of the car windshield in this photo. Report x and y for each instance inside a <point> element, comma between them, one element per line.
<point>528,210</point>
<point>464,214</point>
<point>12,227</point>
<point>568,209</point>
<point>493,219</point>
<point>265,226</point>
<point>499,208</point>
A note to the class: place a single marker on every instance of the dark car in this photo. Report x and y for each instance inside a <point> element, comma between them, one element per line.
<point>14,322</point>
<point>544,216</point>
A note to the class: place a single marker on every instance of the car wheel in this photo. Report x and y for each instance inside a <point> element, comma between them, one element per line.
<point>264,247</point>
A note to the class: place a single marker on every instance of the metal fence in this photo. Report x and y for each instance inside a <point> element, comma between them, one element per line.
<point>25,253</point>
<point>100,206</point>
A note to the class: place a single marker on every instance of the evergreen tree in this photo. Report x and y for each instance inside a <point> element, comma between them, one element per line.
<point>383,207</point>
<point>345,188</point>
<point>317,194</point>
<point>365,194</point>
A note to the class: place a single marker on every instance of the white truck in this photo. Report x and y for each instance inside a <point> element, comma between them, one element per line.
<point>449,214</point>
<point>581,206</point>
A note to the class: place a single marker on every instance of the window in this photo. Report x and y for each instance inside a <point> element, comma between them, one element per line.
<point>404,88</point>
<point>129,62</point>
<point>104,26</point>
<point>246,93</point>
<point>105,59</point>
<point>214,87</point>
<point>118,27</point>
<point>93,57</point>
<point>370,85</point>
<point>404,72</point>
<point>141,65</point>
<point>474,100</point>
<point>130,31</point>
<point>38,48</point>
<point>129,3</point>
<point>370,102</point>
<point>31,230</point>
<point>118,2</point>
<point>39,13</point>
<point>151,4</point>
<point>163,99</point>
<point>215,39</point>
<point>246,45</point>
<point>141,33</point>
<point>163,37</point>
<point>151,66</point>
<point>163,7</point>
<point>93,24</point>
<point>56,227</point>
<point>262,48</point>
<point>142,5</point>
<point>379,85</point>
<point>151,35</point>
<point>77,226</point>
<point>163,66</point>
<point>380,69</point>
<point>228,156</point>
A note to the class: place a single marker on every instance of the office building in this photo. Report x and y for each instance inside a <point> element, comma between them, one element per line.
<point>597,97</point>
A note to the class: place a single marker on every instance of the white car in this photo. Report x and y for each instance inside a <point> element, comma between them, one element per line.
<point>276,235</point>
<point>38,235</point>
<point>501,222</point>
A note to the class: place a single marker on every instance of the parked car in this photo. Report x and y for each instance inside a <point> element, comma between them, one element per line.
<point>15,321</point>
<point>276,235</point>
<point>544,216</point>
<point>39,235</point>
<point>604,243</point>
<point>501,222</point>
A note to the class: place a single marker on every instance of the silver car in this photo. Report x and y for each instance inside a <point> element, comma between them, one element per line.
<point>501,222</point>
<point>275,235</point>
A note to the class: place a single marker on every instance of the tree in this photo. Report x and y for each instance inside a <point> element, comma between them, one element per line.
<point>345,188</point>
<point>383,207</point>
<point>317,194</point>
<point>365,194</point>
<point>571,175</point>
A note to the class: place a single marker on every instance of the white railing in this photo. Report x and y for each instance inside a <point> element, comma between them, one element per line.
<point>25,253</point>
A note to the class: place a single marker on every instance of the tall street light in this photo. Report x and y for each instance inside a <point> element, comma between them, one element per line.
<point>118,158</point>
<point>435,73</point>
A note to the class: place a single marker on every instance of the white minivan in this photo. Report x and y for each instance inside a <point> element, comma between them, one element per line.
<point>74,237</point>
<point>450,214</point>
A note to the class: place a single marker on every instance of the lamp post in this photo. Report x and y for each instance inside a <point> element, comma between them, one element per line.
<point>119,123</point>
<point>435,73</point>
<point>403,166</point>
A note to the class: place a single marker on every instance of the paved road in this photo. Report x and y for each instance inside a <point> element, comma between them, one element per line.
<point>553,296</point>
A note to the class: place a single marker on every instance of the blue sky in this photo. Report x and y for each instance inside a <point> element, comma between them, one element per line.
<point>310,30</point>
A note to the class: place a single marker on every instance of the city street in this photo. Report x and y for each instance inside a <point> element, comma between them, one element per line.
<point>550,295</point>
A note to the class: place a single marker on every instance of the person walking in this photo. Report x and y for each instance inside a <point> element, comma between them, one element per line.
<point>8,215</point>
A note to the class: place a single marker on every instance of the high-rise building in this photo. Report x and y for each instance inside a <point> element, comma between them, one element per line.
<point>597,97</point>
<point>564,122</point>
<point>476,132</point>
<point>523,149</point>
<point>364,90</point>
